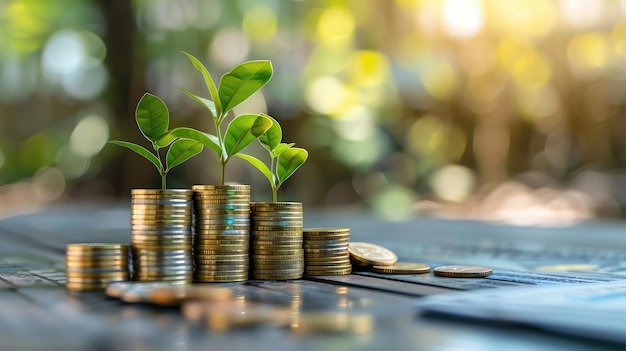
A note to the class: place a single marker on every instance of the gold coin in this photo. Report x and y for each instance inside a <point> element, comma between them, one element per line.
<point>277,244</point>
<point>403,268</point>
<point>162,246</point>
<point>225,187</point>
<point>326,231</point>
<point>372,254</point>
<point>254,252</point>
<point>333,263</point>
<point>172,279</point>
<point>221,252</point>
<point>280,214</point>
<point>277,205</point>
<point>222,234</point>
<point>332,255</point>
<point>160,230</point>
<point>327,243</point>
<point>117,289</point>
<point>463,271</point>
<point>221,256</point>
<point>261,276</point>
<point>327,273</point>
<point>175,295</point>
<point>161,192</point>
<point>95,247</point>
<point>96,264</point>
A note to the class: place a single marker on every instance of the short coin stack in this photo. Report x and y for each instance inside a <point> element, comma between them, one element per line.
<point>276,242</point>
<point>222,236</point>
<point>92,266</point>
<point>326,251</point>
<point>161,235</point>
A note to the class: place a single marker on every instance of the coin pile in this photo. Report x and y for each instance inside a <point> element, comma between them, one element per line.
<point>161,235</point>
<point>326,251</point>
<point>276,242</point>
<point>222,237</point>
<point>92,266</point>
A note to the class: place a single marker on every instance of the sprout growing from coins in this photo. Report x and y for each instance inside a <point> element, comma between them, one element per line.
<point>152,117</point>
<point>285,159</point>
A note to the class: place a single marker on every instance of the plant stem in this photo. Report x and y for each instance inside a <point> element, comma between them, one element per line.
<point>218,125</point>
<point>163,182</point>
<point>223,169</point>
<point>274,194</point>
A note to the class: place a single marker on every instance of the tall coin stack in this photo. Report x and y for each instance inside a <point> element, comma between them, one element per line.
<point>222,236</point>
<point>161,235</point>
<point>92,266</point>
<point>276,241</point>
<point>326,251</point>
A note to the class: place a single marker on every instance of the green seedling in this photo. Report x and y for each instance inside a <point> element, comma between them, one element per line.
<point>285,159</point>
<point>153,121</point>
<point>235,87</point>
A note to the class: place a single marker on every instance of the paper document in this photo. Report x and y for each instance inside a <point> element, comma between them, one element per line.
<point>594,310</point>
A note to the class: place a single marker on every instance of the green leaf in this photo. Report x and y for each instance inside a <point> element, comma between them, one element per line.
<point>191,134</point>
<point>273,136</point>
<point>208,80</point>
<point>289,161</point>
<point>141,151</point>
<point>280,148</point>
<point>180,151</point>
<point>242,130</point>
<point>208,104</point>
<point>259,165</point>
<point>243,81</point>
<point>152,117</point>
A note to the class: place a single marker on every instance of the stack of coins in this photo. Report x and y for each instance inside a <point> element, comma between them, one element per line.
<point>326,251</point>
<point>92,266</point>
<point>222,234</point>
<point>161,235</point>
<point>276,242</point>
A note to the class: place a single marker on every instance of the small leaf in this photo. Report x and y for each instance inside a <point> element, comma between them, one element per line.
<point>242,130</point>
<point>208,80</point>
<point>289,161</point>
<point>180,151</point>
<point>152,117</point>
<point>273,136</point>
<point>259,165</point>
<point>208,104</point>
<point>141,151</point>
<point>280,148</point>
<point>243,81</point>
<point>191,134</point>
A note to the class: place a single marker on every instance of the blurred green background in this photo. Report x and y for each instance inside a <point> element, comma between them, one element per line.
<point>502,110</point>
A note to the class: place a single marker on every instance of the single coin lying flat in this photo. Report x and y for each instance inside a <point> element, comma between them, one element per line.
<point>403,268</point>
<point>462,271</point>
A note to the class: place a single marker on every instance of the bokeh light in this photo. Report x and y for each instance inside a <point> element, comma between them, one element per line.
<point>482,108</point>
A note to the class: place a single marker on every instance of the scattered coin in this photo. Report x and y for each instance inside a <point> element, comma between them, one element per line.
<point>462,271</point>
<point>371,254</point>
<point>118,289</point>
<point>403,268</point>
<point>175,295</point>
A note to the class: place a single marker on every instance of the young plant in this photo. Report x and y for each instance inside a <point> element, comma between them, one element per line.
<point>284,158</point>
<point>153,121</point>
<point>235,87</point>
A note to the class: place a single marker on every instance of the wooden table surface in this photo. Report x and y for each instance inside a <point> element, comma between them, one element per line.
<point>39,314</point>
